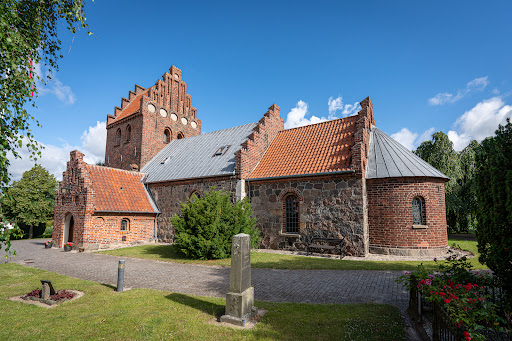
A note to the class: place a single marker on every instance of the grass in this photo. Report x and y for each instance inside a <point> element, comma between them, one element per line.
<point>168,253</point>
<point>143,314</point>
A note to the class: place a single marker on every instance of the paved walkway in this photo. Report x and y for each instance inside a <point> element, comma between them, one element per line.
<point>307,286</point>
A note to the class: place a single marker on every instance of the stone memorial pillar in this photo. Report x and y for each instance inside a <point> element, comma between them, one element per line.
<point>240,298</point>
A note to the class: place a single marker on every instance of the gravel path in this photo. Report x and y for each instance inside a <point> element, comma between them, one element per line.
<point>306,286</point>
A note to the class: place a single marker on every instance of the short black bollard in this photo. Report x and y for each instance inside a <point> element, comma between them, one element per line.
<point>120,275</point>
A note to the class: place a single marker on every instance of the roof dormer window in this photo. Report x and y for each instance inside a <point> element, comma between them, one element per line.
<point>221,151</point>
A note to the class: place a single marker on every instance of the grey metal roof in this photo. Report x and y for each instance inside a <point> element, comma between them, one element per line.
<point>389,159</point>
<point>192,157</point>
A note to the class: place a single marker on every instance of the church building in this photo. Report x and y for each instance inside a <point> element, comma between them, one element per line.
<point>342,178</point>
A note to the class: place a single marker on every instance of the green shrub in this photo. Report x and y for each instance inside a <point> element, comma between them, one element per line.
<point>494,195</point>
<point>205,228</point>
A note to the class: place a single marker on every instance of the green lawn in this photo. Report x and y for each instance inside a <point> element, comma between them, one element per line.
<point>142,314</point>
<point>277,261</point>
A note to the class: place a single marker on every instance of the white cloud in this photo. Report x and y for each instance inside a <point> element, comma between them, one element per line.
<point>297,116</point>
<point>480,122</point>
<point>445,97</point>
<point>405,137</point>
<point>351,109</point>
<point>335,105</point>
<point>411,140</point>
<point>54,158</point>
<point>54,86</point>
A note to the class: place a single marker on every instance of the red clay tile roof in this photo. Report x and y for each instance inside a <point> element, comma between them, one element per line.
<point>131,109</point>
<point>316,148</point>
<point>118,190</point>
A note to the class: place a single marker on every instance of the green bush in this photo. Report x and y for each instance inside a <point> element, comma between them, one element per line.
<point>494,195</point>
<point>205,228</point>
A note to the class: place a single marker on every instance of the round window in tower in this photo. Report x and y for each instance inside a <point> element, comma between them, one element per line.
<point>163,112</point>
<point>193,124</point>
<point>184,120</point>
<point>151,108</point>
<point>174,117</point>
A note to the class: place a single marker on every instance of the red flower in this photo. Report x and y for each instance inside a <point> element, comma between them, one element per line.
<point>446,301</point>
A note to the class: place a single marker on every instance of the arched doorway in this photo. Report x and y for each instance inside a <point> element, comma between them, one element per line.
<point>69,225</point>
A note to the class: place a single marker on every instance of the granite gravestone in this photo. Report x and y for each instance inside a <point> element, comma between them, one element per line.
<point>240,298</point>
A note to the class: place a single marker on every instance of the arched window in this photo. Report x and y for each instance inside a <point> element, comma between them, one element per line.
<point>180,135</point>
<point>419,216</point>
<point>125,225</point>
<point>194,195</point>
<point>128,133</point>
<point>291,207</point>
<point>167,135</point>
<point>118,137</point>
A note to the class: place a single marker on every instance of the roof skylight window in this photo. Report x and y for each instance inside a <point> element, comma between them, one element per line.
<point>221,151</point>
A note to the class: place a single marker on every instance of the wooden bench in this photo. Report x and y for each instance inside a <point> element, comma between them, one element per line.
<point>317,243</point>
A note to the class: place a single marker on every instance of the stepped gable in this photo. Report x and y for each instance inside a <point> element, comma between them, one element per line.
<point>119,191</point>
<point>389,159</point>
<point>170,92</point>
<point>258,142</point>
<point>316,148</point>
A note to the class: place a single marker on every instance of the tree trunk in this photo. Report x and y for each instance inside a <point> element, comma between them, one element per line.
<point>30,232</point>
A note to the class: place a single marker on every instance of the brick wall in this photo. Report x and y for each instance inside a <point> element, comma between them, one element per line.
<point>168,196</point>
<point>76,197</point>
<point>390,216</point>
<point>166,105</point>
<point>247,158</point>
<point>333,204</point>
<point>105,230</point>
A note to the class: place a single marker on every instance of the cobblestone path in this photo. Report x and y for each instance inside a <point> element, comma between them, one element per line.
<point>306,286</point>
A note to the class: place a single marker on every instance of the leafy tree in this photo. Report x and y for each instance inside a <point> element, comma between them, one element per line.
<point>466,215</point>
<point>494,195</point>
<point>29,202</point>
<point>440,154</point>
<point>28,36</point>
<point>205,228</point>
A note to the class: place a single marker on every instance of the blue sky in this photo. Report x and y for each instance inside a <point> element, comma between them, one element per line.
<point>427,66</point>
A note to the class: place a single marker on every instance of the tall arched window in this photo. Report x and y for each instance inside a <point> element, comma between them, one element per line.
<point>419,216</point>
<point>167,135</point>
<point>128,133</point>
<point>118,137</point>
<point>291,207</point>
<point>180,135</point>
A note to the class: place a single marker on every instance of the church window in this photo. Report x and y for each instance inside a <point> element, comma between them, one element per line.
<point>180,135</point>
<point>118,137</point>
<point>128,133</point>
<point>195,195</point>
<point>291,207</point>
<point>125,224</point>
<point>418,211</point>
<point>167,135</point>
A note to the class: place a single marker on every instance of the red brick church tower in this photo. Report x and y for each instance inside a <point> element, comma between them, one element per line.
<point>148,120</point>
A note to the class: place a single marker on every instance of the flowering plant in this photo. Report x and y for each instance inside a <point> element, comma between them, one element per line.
<point>69,244</point>
<point>49,242</point>
<point>462,293</point>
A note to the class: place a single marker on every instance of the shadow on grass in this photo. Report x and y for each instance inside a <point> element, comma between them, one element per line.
<point>110,286</point>
<point>169,252</point>
<point>195,302</point>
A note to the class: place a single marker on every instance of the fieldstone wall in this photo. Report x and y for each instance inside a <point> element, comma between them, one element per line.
<point>334,205</point>
<point>169,196</point>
